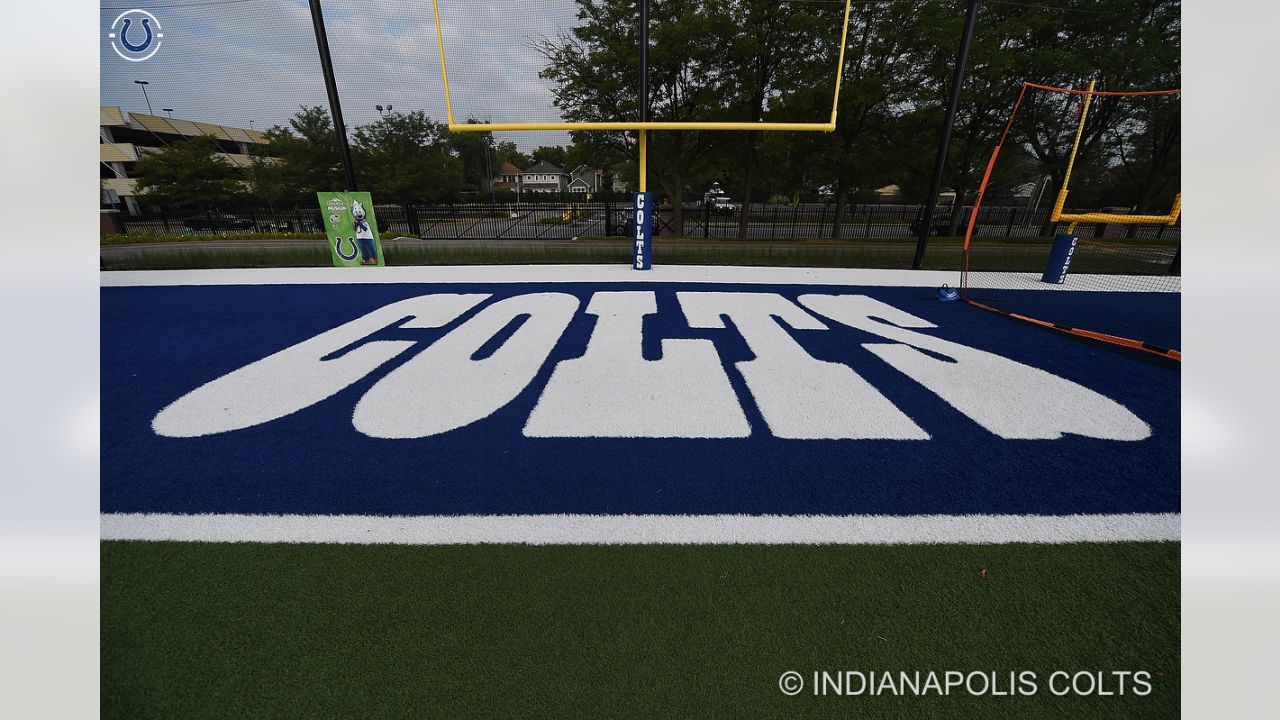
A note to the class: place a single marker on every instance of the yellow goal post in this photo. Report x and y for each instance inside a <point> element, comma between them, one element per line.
<point>455,126</point>
<point>1059,214</point>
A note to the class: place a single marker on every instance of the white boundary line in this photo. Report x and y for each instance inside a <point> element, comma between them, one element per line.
<point>613,273</point>
<point>644,529</point>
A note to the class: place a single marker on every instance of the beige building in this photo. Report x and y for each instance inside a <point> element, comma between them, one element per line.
<point>125,136</point>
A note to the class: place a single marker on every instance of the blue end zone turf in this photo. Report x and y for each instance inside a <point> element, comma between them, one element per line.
<point>159,343</point>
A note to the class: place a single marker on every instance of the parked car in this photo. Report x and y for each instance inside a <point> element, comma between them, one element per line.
<point>942,223</point>
<point>723,205</point>
<point>217,221</point>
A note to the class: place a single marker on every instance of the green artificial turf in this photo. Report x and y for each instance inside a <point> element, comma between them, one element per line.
<point>310,631</point>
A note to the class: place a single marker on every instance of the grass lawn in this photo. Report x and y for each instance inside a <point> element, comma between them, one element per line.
<point>205,630</point>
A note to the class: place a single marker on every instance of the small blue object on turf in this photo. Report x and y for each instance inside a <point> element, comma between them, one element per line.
<point>948,294</point>
<point>1064,248</point>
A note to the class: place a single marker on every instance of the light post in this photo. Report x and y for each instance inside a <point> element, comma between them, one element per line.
<point>144,85</point>
<point>169,111</point>
<point>382,112</point>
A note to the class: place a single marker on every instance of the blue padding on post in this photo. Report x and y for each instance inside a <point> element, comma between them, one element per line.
<point>642,231</point>
<point>1064,248</point>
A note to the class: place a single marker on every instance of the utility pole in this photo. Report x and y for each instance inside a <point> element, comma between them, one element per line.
<point>331,87</point>
<point>944,140</point>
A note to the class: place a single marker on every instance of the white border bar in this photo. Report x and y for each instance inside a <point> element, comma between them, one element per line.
<point>644,529</point>
<point>611,273</point>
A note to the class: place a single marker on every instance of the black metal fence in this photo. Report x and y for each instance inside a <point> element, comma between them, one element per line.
<point>531,221</point>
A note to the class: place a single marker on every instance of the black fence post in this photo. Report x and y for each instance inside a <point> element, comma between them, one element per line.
<point>706,220</point>
<point>608,219</point>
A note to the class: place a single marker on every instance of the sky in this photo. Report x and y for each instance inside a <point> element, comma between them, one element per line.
<point>253,63</point>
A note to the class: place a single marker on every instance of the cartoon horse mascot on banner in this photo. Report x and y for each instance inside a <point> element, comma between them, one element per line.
<point>364,234</point>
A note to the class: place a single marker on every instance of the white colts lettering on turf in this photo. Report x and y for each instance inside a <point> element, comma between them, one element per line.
<point>798,395</point>
<point>1008,398</point>
<point>612,391</point>
<point>443,388</point>
<point>299,376</point>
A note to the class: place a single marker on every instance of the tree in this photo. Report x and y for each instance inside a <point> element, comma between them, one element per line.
<point>553,154</point>
<point>1122,44</point>
<point>769,37</point>
<point>307,154</point>
<point>269,180</point>
<point>507,152</point>
<point>881,76</point>
<point>190,174</point>
<point>595,67</point>
<point>474,151</point>
<point>408,158</point>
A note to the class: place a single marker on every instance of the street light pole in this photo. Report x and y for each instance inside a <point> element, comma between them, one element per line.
<point>944,141</point>
<point>144,85</point>
<point>168,111</point>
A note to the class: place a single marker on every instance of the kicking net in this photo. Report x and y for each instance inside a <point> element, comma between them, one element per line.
<point>1091,178</point>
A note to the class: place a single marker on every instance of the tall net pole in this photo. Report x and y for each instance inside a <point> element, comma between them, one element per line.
<point>944,140</point>
<point>331,87</point>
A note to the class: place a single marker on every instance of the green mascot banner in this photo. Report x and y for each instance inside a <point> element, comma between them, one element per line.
<point>351,228</point>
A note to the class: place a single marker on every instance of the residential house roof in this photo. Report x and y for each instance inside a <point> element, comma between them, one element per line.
<point>544,168</point>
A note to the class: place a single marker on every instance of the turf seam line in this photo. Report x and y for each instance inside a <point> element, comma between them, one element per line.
<point>643,529</point>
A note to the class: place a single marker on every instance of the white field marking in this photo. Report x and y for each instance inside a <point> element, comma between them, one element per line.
<point>1012,400</point>
<point>297,377</point>
<point>799,396</point>
<point>614,273</point>
<point>612,391</point>
<point>644,529</point>
<point>442,388</point>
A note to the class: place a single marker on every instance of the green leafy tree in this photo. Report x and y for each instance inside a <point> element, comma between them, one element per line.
<point>553,154</point>
<point>474,151</point>
<point>269,181</point>
<point>189,174</point>
<point>595,67</point>
<point>507,151</point>
<point>306,151</point>
<point>407,158</point>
